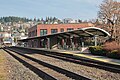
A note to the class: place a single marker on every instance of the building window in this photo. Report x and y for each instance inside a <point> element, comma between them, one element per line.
<point>43,32</point>
<point>70,29</point>
<point>62,30</point>
<point>54,31</point>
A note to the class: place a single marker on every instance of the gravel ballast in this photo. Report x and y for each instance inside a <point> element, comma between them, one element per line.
<point>17,71</point>
<point>91,72</point>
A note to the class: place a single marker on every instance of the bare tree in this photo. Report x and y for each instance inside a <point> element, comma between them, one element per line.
<point>109,14</point>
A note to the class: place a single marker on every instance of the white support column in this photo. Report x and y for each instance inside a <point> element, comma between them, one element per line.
<point>95,37</point>
<point>64,46</point>
<point>73,46</point>
<point>72,42</point>
<point>82,44</point>
<point>48,43</point>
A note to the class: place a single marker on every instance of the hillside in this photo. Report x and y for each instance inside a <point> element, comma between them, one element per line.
<point>13,19</point>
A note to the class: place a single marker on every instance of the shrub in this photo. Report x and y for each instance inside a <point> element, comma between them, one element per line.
<point>113,54</point>
<point>97,50</point>
<point>110,46</point>
<point>112,49</point>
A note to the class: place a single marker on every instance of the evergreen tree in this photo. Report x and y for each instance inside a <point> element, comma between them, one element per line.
<point>51,19</point>
<point>46,19</point>
<point>79,20</point>
<point>38,20</point>
<point>35,19</point>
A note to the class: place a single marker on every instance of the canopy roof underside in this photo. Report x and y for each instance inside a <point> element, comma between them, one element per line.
<point>83,32</point>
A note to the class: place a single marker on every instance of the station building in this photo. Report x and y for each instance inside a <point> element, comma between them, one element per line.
<point>63,36</point>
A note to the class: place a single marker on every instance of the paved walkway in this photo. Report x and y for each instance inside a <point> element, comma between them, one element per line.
<point>100,58</point>
<point>89,56</point>
<point>84,55</point>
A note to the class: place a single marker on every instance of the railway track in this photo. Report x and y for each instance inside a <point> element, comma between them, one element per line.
<point>77,60</point>
<point>43,69</point>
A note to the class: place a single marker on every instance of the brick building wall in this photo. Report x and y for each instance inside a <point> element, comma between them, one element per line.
<point>43,29</point>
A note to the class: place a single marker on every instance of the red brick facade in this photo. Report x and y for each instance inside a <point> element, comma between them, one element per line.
<point>35,30</point>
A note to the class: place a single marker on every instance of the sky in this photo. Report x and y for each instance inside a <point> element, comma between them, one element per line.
<point>76,9</point>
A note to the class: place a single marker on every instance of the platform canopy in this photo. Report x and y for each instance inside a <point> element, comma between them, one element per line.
<point>82,32</point>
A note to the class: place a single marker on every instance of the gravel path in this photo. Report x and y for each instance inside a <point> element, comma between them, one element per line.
<point>16,71</point>
<point>94,73</point>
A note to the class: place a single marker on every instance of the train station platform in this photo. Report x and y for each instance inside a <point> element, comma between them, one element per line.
<point>86,55</point>
<point>78,54</point>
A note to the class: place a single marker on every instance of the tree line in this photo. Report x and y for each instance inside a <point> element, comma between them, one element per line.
<point>13,19</point>
<point>20,19</point>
